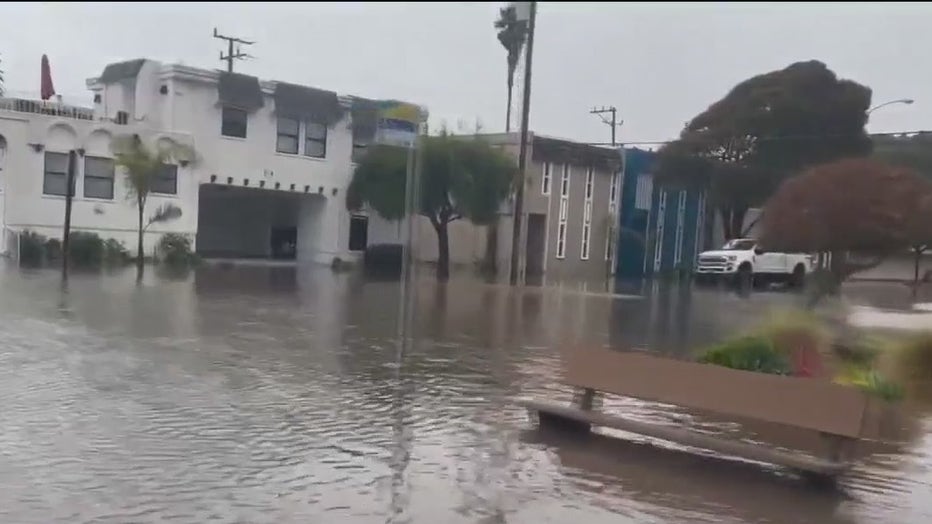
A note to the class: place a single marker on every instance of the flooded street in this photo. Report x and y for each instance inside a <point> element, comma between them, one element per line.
<point>279,395</point>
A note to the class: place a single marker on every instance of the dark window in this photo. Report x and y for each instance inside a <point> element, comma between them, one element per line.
<point>234,122</point>
<point>122,118</point>
<point>358,233</point>
<point>98,177</point>
<point>315,139</point>
<point>287,141</point>
<point>166,182</point>
<point>56,174</point>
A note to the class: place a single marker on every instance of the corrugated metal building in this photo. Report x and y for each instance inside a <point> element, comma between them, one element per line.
<point>661,230</point>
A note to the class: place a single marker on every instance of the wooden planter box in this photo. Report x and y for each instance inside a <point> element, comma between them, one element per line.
<point>841,413</point>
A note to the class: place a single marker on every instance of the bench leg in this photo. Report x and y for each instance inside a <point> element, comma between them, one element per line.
<point>838,448</point>
<point>585,399</point>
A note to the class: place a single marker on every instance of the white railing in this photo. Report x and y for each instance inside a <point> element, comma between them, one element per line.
<point>44,107</point>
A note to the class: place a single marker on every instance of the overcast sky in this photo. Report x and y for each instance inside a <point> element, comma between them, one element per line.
<point>659,64</point>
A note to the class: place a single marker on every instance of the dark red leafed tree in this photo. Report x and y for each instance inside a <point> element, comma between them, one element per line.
<point>857,211</point>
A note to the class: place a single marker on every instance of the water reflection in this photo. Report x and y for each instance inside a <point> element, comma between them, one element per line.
<point>277,395</point>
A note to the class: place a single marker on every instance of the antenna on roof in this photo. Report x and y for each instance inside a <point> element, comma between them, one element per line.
<point>231,56</point>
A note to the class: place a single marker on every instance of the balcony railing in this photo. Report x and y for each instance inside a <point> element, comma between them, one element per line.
<point>42,107</point>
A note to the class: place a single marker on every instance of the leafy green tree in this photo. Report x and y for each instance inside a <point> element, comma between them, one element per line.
<point>765,129</point>
<point>461,178</point>
<point>142,165</point>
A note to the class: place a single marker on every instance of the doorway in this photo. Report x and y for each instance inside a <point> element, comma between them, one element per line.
<point>284,243</point>
<point>536,241</point>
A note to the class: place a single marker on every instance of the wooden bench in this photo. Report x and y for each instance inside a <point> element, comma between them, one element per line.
<point>840,414</point>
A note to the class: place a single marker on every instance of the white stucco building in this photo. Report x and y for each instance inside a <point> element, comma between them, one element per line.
<point>273,161</point>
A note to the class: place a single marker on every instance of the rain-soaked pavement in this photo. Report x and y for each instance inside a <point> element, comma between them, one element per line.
<point>278,395</point>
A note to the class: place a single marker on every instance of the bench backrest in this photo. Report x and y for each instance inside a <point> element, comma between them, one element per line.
<point>802,402</point>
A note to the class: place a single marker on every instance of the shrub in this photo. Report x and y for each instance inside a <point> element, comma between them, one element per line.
<point>800,337</point>
<point>871,382</point>
<point>750,353</point>
<point>85,249</point>
<point>31,248</point>
<point>53,250</point>
<point>114,253</point>
<point>174,249</point>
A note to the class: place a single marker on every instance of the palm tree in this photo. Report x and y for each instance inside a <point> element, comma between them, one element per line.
<point>142,166</point>
<point>512,34</point>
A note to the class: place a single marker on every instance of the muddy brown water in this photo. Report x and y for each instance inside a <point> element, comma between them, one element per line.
<point>278,395</point>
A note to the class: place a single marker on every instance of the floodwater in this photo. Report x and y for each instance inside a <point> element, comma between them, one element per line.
<point>280,395</point>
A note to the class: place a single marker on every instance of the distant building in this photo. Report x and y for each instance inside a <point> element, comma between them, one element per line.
<point>661,230</point>
<point>570,208</point>
<point>273,162</point>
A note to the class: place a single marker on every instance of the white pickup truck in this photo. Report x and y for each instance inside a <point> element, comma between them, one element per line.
<point>743,260</point>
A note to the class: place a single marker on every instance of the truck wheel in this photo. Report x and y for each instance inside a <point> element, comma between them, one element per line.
<point>798,280</point>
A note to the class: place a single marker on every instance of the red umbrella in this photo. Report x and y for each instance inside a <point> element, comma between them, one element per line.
<point>48,90</point>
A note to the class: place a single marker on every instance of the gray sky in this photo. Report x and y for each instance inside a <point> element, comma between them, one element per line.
<point>659,64</point>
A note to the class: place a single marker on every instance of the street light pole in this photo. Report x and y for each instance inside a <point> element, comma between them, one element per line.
<point>904,101</point>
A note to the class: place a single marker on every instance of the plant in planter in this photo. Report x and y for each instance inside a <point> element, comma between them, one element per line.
<point>750,353</point>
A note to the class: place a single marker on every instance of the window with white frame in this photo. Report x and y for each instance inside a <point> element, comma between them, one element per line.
<point>290,132</point>
<point>166,181</point>
<point>644,192</point>
<point>55,179</point>
<point>658,238</point>
<point>233,122</point>
<point>612,209</point>
<point>98,177</point>
<point>315,139</point>
<point>288,136</point>
<point>545,177</point>
<point>565,182</point>
<point>564,211</point>
<point>613,192</point>
<point>587,217</point>
<point>678,240</point>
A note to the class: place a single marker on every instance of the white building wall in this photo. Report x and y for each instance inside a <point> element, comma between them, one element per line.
<point>27,208</point>
<point>184,101</point>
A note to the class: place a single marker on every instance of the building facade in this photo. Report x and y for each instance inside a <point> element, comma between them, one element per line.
<point>661,230</point>
<point>268,178</point>
<point>570,210</point>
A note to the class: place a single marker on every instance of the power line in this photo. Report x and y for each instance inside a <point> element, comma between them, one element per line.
<point>763,138</point>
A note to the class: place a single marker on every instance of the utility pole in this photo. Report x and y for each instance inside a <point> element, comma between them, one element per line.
<point>69,196</point>
<point>231,56</point>
<point>612,123</point>
<point>522,155</point>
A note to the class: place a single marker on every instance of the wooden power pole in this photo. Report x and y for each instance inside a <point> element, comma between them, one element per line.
<point>231,55</point>
<point>522,150</point>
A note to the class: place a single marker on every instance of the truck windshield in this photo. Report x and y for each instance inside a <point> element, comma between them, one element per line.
<point>739,245</point>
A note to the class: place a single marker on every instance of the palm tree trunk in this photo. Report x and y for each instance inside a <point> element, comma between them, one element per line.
<point>443,251</point>
<point>140,262</point>
<point>511,84</point>
<point>917,260</point>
